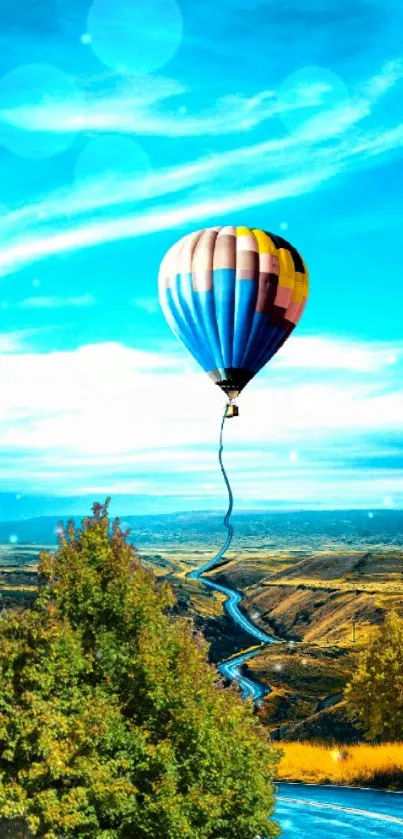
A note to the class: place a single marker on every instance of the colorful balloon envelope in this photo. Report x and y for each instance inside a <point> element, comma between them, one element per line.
<point>233,295</point>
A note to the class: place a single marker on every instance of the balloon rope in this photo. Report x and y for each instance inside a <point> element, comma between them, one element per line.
<point>226,520</point>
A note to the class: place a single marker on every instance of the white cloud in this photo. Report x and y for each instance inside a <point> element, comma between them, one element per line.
<point>330,354</point>
<point>390,74</point>
<point>14,342</point>
<point>112,419</point>
<point>55,302</point>
<point>146,304</point>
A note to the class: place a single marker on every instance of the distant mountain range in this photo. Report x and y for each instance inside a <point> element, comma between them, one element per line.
<point>302,530</point>
<point>16,506</point>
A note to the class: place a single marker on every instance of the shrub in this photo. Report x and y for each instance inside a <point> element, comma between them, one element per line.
<point>375,693</point>
<point>112,723</point>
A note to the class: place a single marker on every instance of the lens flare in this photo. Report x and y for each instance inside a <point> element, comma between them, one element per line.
<point>32,96</point>
<point>135,38</point>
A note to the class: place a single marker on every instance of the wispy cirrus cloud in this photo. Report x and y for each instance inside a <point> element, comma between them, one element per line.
<point>54,302</point>
<point>232,114</point>
<point>335,142</point>
<point>136,111</point>
<point>91,233</point>
<point>146,304</point>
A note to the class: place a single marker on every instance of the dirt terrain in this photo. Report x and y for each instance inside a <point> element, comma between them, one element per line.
<point>323,598</point>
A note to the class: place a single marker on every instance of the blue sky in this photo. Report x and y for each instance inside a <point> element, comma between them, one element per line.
<point>124,126</point>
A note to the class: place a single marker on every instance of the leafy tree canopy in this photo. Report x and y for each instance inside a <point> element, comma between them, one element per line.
<point>112,723</point>
<point>375,694</point>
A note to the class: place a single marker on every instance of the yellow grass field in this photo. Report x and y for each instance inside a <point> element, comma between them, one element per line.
<point>362,765</point>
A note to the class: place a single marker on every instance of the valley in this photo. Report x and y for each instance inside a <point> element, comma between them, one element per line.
<point>321,597</point>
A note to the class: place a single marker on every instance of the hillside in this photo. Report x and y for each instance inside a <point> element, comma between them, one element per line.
<point>324,606</point>
<point>323,598</point>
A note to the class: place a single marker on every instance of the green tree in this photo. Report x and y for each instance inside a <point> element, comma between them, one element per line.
<point>112,723</point>
<point>375,694</point>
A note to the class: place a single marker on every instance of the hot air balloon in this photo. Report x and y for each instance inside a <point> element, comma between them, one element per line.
<point>233,295</point>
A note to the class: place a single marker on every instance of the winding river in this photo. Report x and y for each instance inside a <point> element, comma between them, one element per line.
<point>231,669</point>
<point>316,812</point>
<point>305,811</point>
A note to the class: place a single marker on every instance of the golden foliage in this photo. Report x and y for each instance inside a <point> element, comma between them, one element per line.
<point>367,765</point>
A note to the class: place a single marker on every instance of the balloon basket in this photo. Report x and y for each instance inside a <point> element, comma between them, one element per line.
<point>232,411</point>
